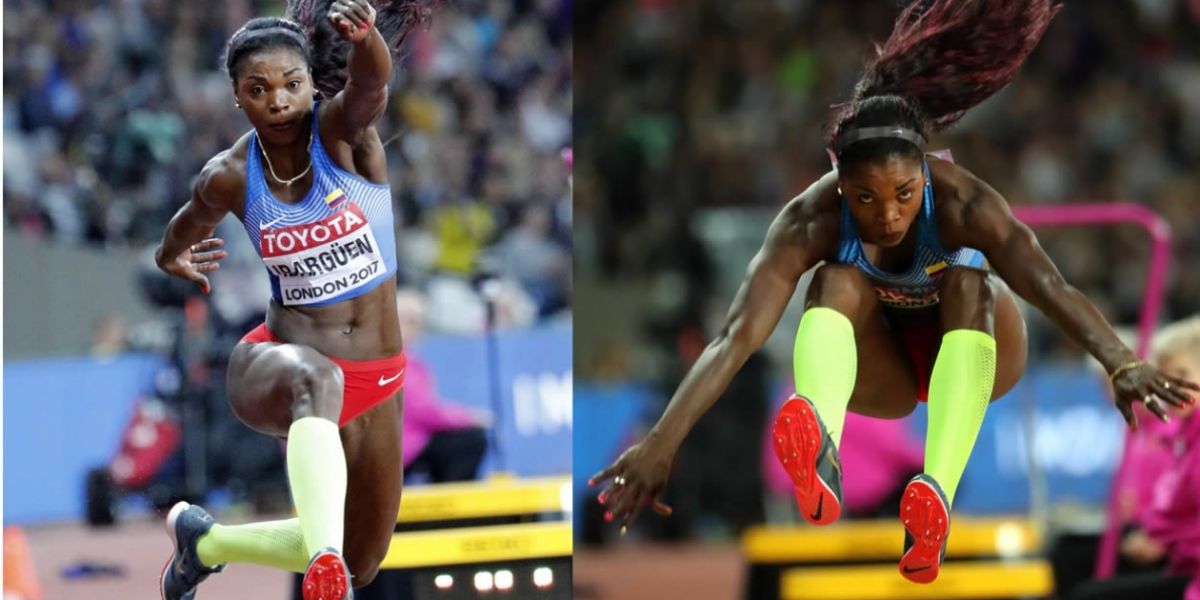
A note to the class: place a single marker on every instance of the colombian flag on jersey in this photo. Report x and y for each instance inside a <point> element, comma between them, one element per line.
<point>336,198</point>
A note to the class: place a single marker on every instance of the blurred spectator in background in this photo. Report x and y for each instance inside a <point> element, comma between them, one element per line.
<point>440,439</point>
<point>529,255</point>
<point>110,337</point>
<point>111,107</point>
<point>1165,528</point>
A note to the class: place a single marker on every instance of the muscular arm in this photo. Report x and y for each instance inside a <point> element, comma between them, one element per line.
<point>795,242</point>
<point>194,221</point>
<point>984,218</point>
<point>365,96</point>
<point>369,67</point>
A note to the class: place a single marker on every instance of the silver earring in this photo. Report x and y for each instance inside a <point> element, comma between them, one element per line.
<point>237,104</point>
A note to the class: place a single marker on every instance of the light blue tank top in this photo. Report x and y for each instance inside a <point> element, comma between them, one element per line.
<point>918,286</point>
<point>337,243</point>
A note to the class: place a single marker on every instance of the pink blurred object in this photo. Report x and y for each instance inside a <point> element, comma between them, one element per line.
<point>878,456</point>
<point>568,156</point>
<point>425,412</point>
<point>1173,518</point>
<point>1117,213</point>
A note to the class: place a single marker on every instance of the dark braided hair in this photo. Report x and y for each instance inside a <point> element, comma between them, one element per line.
<point>305,29</point>
<point>942,58</point>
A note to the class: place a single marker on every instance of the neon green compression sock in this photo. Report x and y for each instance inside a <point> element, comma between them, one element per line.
<point>277,544</point>
<point>316,466</point>
<point>959,392</point>
<point>825,363</point>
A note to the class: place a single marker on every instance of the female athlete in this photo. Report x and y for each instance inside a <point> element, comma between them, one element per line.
<point>309,184</point>
<point>899,240</point>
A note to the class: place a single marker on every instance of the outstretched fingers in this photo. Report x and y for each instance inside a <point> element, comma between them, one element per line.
<point>604,474</point>
<point>1156,407</point>
<point>661,507</point>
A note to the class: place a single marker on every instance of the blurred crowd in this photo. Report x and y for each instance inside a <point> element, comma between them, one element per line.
<point>111,108</point>
<point>707,104</point>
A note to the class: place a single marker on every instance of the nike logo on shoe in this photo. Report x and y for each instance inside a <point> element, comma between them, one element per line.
<point>917,569</point>
<point>386,380</point>
<point>820,508</point>
<point>262,225</point>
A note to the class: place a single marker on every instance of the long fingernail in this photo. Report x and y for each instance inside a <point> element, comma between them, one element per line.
<point>608,517</point>
<point>362,25</point>
<point>602,498</point>
<point>622,530</point>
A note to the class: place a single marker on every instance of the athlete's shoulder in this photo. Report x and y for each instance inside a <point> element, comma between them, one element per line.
<point>222,181</point>
<point>811,219</point>
<point>820,199</point>
<point>953,184</point>
<point>964,203</point>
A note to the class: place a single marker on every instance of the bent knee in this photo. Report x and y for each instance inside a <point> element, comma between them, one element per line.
<point>270,386</point>
<point>315,388</point>
<point>838,275</point>
<point>967,283</point>
<point>841,287</point>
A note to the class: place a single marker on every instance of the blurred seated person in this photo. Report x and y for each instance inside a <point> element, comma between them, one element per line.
<point>1167,512</point>
<point>1123,548</point>
<point>444,441</point>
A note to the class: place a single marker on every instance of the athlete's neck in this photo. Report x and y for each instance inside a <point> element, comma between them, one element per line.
<point>289,159</point>
<point>898,258</point>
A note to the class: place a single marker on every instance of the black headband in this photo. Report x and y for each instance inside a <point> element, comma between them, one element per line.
<point>296,35</point>
<point>852,136</point>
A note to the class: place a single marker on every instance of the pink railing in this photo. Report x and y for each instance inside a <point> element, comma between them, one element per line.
<point>1160,256</point>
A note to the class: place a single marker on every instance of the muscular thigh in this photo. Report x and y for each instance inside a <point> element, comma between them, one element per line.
<point>886,385</point>
<point>1011,342</point>
<point>266,380</point>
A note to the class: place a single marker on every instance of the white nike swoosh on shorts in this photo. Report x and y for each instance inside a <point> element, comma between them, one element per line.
<point>262,225</point>
<point>386,380</point>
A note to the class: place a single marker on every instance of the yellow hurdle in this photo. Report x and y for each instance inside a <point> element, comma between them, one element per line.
<point>956,581</point>
<point>855,541</point>
<point>491,543</point>
<point>490,498</point>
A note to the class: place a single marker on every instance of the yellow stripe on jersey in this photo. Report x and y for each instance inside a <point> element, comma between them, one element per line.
<point>934,268</point>
<point>334,196</point>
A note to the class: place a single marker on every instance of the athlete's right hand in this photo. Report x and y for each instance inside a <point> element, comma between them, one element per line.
<point>639,476</point>
<point>195,261</point>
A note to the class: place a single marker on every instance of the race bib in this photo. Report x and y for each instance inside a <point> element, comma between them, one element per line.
<point>319,261</point>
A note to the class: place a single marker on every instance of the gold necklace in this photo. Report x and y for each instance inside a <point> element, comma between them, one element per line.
<point>270,168</point>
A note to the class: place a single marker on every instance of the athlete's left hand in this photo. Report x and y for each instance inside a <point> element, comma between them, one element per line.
<point>353,19</point>
<point>1148,385</point>
<point>196,261</point>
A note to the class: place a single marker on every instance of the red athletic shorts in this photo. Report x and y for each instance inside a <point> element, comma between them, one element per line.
<point>367,382</point>
<point>920,337</point>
